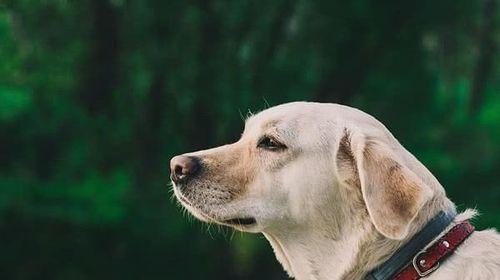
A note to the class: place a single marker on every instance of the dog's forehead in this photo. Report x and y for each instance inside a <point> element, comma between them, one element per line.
<point>282,116</point>
<point>307,117</point>
<point>294,115</point>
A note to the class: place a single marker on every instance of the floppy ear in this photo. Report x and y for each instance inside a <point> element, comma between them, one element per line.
<point>392,193</point>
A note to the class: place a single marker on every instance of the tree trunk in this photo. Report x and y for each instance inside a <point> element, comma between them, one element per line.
<point>484,65</point>
<point>101,71</point>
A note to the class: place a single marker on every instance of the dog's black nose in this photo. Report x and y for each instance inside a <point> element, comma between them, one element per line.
<point>183,167</point>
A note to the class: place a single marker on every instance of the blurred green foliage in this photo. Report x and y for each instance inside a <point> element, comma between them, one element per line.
<point>96,96</point>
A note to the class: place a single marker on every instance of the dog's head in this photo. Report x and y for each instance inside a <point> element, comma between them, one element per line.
<point>300,164</point>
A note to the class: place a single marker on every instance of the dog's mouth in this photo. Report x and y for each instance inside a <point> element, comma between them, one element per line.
<point>237,222</point>
<point>241,221</point>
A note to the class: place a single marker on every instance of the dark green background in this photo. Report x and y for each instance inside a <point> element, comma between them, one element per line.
<point>96,96</point>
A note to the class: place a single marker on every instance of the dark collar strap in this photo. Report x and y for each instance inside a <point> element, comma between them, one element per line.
<point>427,261</point>
<point>405,254</point>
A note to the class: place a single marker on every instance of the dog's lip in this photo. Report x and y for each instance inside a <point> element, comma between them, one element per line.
<point>207,217</point>
<point>240,221</point>
<point>183,199</point>
<point>247,221</point>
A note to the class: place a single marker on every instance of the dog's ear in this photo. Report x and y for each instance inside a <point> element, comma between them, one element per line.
<point>392,193</point>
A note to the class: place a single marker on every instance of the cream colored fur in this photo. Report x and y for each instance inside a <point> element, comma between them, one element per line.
<point>337,202</point>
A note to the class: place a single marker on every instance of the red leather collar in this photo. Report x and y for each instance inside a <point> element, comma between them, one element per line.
<point>427,260</point>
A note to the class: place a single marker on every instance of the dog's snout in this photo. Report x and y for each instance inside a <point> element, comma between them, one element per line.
<point>183,167</point>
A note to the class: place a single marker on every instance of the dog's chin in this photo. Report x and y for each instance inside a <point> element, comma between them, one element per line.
<point>243,223</point>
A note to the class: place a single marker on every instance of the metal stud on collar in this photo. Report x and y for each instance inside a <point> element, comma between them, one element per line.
<point>417,268</point>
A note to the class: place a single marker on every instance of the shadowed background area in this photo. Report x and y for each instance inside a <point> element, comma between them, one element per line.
<point>96,96</point>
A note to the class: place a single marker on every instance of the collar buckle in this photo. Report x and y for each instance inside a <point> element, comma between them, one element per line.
<point>417,268</point>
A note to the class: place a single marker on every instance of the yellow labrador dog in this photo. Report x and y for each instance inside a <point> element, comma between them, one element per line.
<point>337,196</point>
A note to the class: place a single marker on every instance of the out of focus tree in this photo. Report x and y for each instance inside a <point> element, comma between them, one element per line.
<point>96,96</point>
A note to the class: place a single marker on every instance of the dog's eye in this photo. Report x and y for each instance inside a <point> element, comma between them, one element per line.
<point>271,144</point>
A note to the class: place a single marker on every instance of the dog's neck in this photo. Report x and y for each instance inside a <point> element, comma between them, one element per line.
<point>316,253</point>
